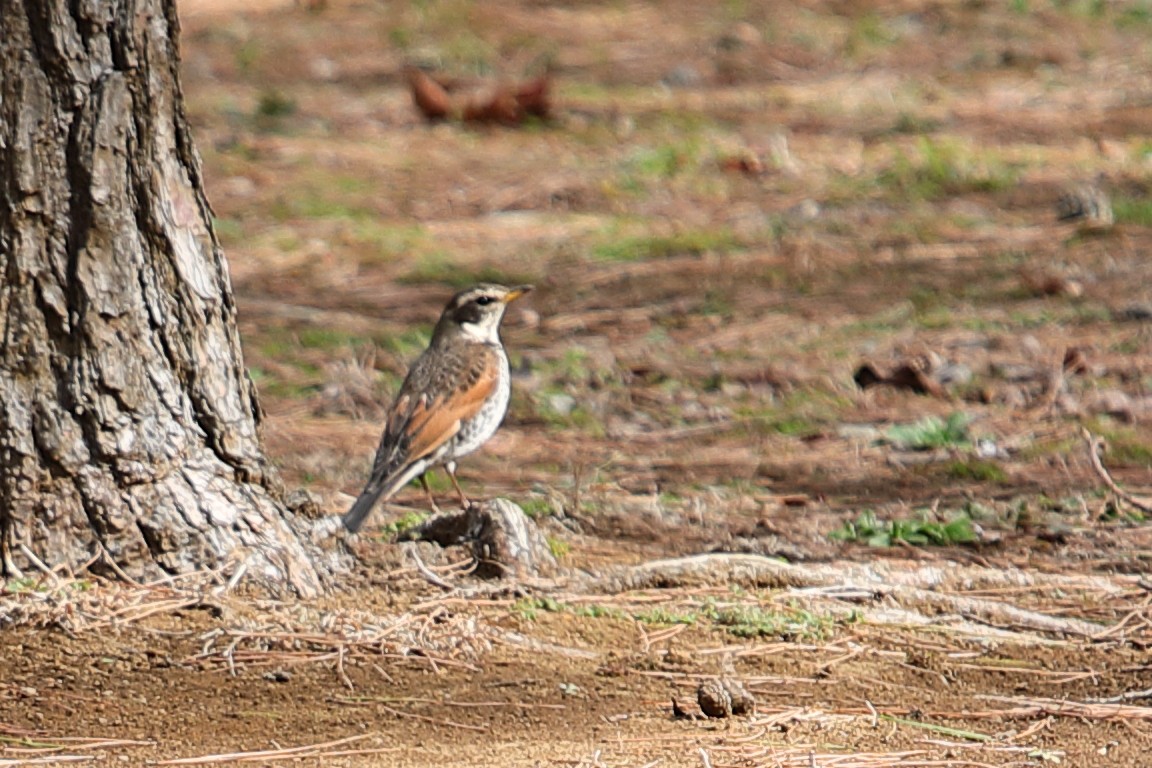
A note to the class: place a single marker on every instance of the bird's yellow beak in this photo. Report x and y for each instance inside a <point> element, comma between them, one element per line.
<point>516,293</point>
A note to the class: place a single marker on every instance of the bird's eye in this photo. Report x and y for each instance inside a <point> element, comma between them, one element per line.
<point>484,300</point>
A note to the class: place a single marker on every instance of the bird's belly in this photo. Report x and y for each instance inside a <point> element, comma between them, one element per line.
<point>476,431</point>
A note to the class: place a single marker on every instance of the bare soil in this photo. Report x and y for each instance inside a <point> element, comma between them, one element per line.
<point>735,206</point>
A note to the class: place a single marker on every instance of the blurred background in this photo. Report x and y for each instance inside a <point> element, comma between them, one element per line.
<point>810,275</point>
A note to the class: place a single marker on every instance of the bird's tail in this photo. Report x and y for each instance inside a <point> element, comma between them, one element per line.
<point>354,518</point>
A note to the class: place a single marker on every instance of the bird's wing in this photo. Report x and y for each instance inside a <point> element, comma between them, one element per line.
<point>439,394</point>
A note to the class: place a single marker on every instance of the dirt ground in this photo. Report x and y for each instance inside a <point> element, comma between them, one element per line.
<point>733,208</point>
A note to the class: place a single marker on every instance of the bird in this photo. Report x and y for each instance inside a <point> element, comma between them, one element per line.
<point>451,402</point>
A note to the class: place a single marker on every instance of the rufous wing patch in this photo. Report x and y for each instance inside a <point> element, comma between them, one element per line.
<point>432,424</point>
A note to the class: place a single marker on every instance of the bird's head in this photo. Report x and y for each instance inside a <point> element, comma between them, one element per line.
<point>477,311</point>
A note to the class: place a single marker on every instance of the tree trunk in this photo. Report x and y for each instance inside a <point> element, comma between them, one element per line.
<point>128,423</point>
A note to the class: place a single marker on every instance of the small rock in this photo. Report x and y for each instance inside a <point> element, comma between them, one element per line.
<point>278,676</point>
<point>561,404</point>
<point>682,76</point>
<point>988,449</point>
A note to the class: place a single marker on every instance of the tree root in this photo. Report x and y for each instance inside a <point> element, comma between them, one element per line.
<point>924,588</point>
<point>503,540</point>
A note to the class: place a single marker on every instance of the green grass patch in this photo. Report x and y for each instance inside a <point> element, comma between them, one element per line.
<point>286,388</point>
<point>649,168</point>
<point>649,247</point>
<point>868,33</point>
<point>247,55</point>
<point>37,583</point>
<point>596,611</point>
<point>558,547</point>
<point>381,242</point>
<point>530,607</point>
<point>795,426</point>
<point>803,412</point>
<point>438,483</point>
<point>915,125</point>
<point>939,169</point>
<point>405,522</point>
<point>289,363</point>
<point>327,197</point>
<point>1125,445</point>
<point>536,508</point>
<point>273,107</point>
<point>661,615</point>
<point>558,404</point>
<point>1132,210</point>
<point>931,433</point>
<point>317,337</point>
<point>1134,15</point>
<point>754,621</point>
<point>409,344</point>
<point>919,531</point>
<point>977,470</point>
<point>562,411</point>
<point>664,162</point>
<point>228,230</point>
<point>441,268</point>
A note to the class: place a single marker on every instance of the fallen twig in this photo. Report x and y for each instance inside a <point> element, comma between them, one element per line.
<point>1126,696</point>
<point>310,750</point>
<point>1038,707</point>
<point>354,700</point>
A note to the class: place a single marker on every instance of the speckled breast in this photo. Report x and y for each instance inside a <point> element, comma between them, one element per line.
<point>480,428</point>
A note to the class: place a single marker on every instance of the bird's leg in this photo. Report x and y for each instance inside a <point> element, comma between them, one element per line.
<point>451,469</point>
<point>428,493</point>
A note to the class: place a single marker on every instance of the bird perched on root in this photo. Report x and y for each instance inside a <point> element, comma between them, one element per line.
<point>451,402</point>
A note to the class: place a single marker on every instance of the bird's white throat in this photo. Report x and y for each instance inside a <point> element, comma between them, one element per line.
<point>487,332</point>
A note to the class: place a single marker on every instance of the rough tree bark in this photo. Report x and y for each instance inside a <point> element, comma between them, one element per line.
<point>128,423</point>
